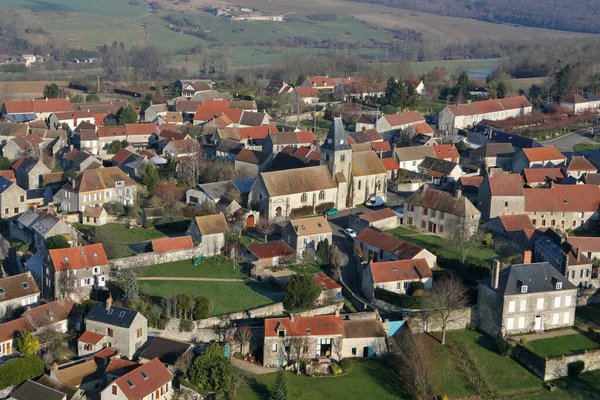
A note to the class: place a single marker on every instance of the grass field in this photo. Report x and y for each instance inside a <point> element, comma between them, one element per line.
<point>122,234</point>
<point>587,315</point>
<point>112,8</point>
<point>476,67</point>
<point>227,297</point>
<point>562,345</point>
<point>524,83</point>
<point>585,147</point>
<point>215,267</point>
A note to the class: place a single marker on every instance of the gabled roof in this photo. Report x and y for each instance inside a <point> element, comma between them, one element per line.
<point>543,154</point>
<point>494,149</point>
<point>400,270</point>
<point>404,118</point>
<point>276,248</point>
<point>368,135</point>
<point>506,185</point>
<point>5,184</point>
<point>311,226</point>
<point>98,179</point>
<point>116,316</point>
<point>37,106</point>
<point>91,255</point>
<point>10,329</point>
<point>381,146</point>
<point>299,180</point>
<point>320,325</point>
<point>390,164</point>
<point>564,198</point>
<point>422,128</point>
<point>90,337</point>
<point>442,201</point>
<point>11,129</point>
<point>252,156</point>
<point>17,286</point>
<point>77,372</point>
<point>31,390</point>
<point>538,278</point>
<point>8,174</point>
<point>116,132</point>
<point>580,164</point>
<point>121,156</point>
<point>542,175</point>
<point>212,224</point>
<point>304,91</point>
<point>144,380</point>
<point>490,106</point>
<point>591,244</point>
<point>169,244</point>
<point>363,328</point>
<point>320,81</point>
<point>474,181</point>
<point>414,153</point>
<point>366,163</point>
<point>516,223</point>
<point>438,165</point>
<point>400,248</point>
<point>141,129</point>
<point>446,151</point>
<point>166,350</point>
<point>55,311</point>
<point>325,282</point>
<point>378,215</point>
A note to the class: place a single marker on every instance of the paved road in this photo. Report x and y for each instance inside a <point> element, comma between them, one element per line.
<point>565,144</point>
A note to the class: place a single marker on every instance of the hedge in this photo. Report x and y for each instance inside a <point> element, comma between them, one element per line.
<point>399,300</point>
<point>301,211</point>
<point>18,371</point>
<point>321,208</point>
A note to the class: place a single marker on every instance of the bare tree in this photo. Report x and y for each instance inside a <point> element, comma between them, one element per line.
<point>298,346</point>
<point>445,299</point>
<point>243,335</point>
<point>184,362</point>
<point>338,260</point>
<point>266,226</point>
<point>193,165</point>
<point>67,281</point>
<point>337,347</point>
<point>415,366</point>
<point>50,338</point>
<point>470,366</point>
<point>465,238</point>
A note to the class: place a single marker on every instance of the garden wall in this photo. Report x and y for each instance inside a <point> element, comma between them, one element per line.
<point>330,309</point>
<point>225,320</point>
<point>152,258</point>
<point>420,322</point>
<point>551,368</point>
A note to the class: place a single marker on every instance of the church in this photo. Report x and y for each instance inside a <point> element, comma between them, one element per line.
<point>344,180</point>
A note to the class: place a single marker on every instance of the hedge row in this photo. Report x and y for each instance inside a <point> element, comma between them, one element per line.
<point>399,300</point>
<point>18,371</point>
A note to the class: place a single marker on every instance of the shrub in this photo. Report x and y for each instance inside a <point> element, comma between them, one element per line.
<point>321,208</point>
<point>185,325</point>
<point>336,369</point>
<point>301,211</point>
<point>523,341</point>
<point>399,300</point>
<point>414,286</point>
<point>503,347</point>
<point>389,109</point>
<point>471,326</point>
<point>18,371</point>
<point>575,368</point>
<point>346,364</point>
<point>488,239</point>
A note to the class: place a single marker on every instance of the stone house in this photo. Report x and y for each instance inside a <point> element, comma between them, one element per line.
<point>9,131</point>
<point>308,95</point>
<point>305,234</point>
<point>131,163</point>
<point>209,231</point>
<point>410,158</point>
<point>383,220</point>
<point>88,141</point>
<point>164,137</point>
<point>46,388</point>
<point>13,199</point>
<point>274,142</point>
<point>542,177</point>
<point>151,380</point>
<point>154,112</point>
<point>371,245</point>
<point>17,291</point>
<point>181,148</point>
<point>524,298</point>
<point>72,272</point>
<point>288,339</point>
<point>579,167</point>
<point>122,329</point>
<point>440,213</point>
<point>369,177</point>
<point>390,124</point>
<point>501,194</point>
<point>395,276</point>
<point>553,248</point>
<point>36,226</point>
<point>20,146</point>
<point>86,374</point>
<point>590,246</point>
<point>579,102</point>
<point>70,118</point>
<point>364,338</point>
<point>151,214</point>
<point>77,160</point>
<point>139,134</point>
<point>518,229</point>
<point>441,171</point>
<point>94,188</point>
<point>109,134</point>
<point>28,171</point>
<point>193,87</point>
<point>94,216</point>
<point>498,155</point>
<point>252,162</point>
<point>539,157</point>
<point>264,256</point>
<point>8,334</point>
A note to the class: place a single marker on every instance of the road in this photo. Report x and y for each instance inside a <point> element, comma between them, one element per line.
<point>565,144</point>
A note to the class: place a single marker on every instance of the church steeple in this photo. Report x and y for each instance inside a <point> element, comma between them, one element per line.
<point>336,137</point>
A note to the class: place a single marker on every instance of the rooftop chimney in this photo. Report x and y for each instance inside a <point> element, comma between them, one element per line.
<point>108,302</point>
<point>291,317</point>
<point>337,312</point>
<point>458,193</point>
<point>495,273</point>
<point>527,257</point>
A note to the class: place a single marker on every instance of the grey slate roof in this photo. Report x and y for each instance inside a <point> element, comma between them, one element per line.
<point>4,184</point>
<point>494,149</point>
<point>336,137</point>
<point>216,190</point>
<point>438,165</point>
<point>167,351</point>
<point>252,118</point>
<point>537,276</point>
<point>116,316</point>
<point>27,164</point>
<point>244,185</point>
<point>31,390</point>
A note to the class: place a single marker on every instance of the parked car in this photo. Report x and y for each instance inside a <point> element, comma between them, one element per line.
<point>375,201</point>
<point>350,233</point>
<point>331,211</point>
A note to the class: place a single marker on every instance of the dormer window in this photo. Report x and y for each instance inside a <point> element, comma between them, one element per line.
<point>144,375</point>
<point>122,314</point>
<point>1,290</point>
<point>66,259</point>
<point>131,385</point>
<point>25,285</point>
<point>120,183</point>
<point>281,332</point>
<point>558,285</point>
<point>524,289</point>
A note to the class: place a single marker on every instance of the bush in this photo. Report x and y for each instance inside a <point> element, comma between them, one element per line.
<point>471,326</point>
<point>414,286</point>
<point>301,211</point>
<point>399,300</point>
<point>336,369</point>
<point>523,341</point>
<point>389,109</point>
<point>185,325</point>
<point>346,365</point>
<point>575,368</point>
<point>488,239</point>
<point>503,347</point>
<point>321,208</point>
<point>18,371</point>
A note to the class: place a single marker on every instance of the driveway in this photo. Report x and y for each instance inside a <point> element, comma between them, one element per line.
<point>565,144</point>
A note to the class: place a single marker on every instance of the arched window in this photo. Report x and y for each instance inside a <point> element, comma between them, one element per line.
<point>343,158</point>
<point>322,195</point>
<point>304,198</point>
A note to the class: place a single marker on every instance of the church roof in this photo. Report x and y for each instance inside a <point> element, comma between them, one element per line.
<point>336,137</point>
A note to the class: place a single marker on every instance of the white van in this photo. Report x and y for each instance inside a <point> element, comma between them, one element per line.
<point>375,201</point>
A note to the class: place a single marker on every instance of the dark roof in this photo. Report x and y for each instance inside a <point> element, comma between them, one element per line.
<point>229,146</point>
<point>336,137</point>
<point>283,161</point>
<point>277,248</point>
<point>167,350</point>
<point>494,149</point>
<point>252,156</point>
<point>363,328</point>
<point>380,240</point>
<point>244,185</point>
<point>117,316</point>
<point>537,276</point>
<point>252,118</point>
<point>521,142</point>
<point>27,164</point>
<point>31,390</point>
<point>437,165</point>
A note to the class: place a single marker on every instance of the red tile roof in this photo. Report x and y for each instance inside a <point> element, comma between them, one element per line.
<point>215,103</point>
<point>102,354</point>
<point>73,115</point>
<point>580,164</point>
<point>157,375</point>
<point>141,129</point>
<point>321,81</point>
<point>121,156</point>
<point>475,181</point>
<point>112,131</point>
<point>490,106</point>
<point>541,175</point>
<point>381,146</point>
<point>61,310</point>
<point>19,107</point>
<point>257,132</point>
<point>563,198</point>
<point>305,137</point>
<point>388,243</point>
<point>400,270</point>
<point>422,128</point>
<point>17,163</point>
<point>446,151</point>
<point>120,363</point>
<point>90,337</point>
<point>378,215</point>
<point>51,105</point>
<point>584,243</point>
<point>34,139</point>
<point>516,223</point>
<point>8,174</point>
<point>390,164</point>
<point>305,92</point>
<point>277,248</point>
<point>325,282</point>
<point>10,329</point>
<point>506,185</point>
<point>320,325</point>
<point>174,243</point>
<point>405,118</point>
<point>91,255</point>
<point>543,154</point>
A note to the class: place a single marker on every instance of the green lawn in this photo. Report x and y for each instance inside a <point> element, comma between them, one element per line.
<point>215,267</point>
<point>112,8</point>
<point>585,147</point>
<point>560,345</point>
<point>369,379</point>
<point>123,234</point>
<point>227,297</point>
<point>451,66</point>
<point>585,315</point>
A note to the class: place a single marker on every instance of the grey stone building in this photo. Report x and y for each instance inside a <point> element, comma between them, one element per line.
<point>525,298</point>
<point>28,171</point>
<point>13,199</point>
<point>209,231</point>
<point>122,329</point>
<point>501,194</point>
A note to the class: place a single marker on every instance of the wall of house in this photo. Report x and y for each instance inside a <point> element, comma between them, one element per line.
<point>363,187</point>
<point>271,354</point>
<point>282,206</point>
<point>306,243</point>
<point>562,220</point>
<point>356,347</point>
<point>13,201</point>
<point>429,220</point>
<point>125,340</point>
<point>8,306</point>
<point>84,280</point>
<point>211,245</point>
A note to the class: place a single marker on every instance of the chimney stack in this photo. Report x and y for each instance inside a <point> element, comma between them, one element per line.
<point>458,193</point>
<point>527,257</point>
<point>291,317</point>
<point>108,302</point>
<point>577,253</point>
<point>337,312</point>
<point>495,273</point>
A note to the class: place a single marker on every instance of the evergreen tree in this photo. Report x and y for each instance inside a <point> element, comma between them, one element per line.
<point>461,89</point>
<point>502,90</point>
<point>280,390</point>
<point>151,177</point>
<point>412,98</point>
<point>92,98</point>
<point>51,91</point>
<point>114,147</point>
<point>323,252</point>
<point>127,115</point>
<point>301,292</point>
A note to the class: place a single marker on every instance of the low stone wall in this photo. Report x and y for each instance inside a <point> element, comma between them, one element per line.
<point>330,309</point>
<point>420,322</point>
<point>225,320</point>
<point>152,258</point>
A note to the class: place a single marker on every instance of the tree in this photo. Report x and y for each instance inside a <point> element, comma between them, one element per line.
<point>465,238</point>
<point>77,99</point>
<point>167,191</point>
<point>323,252</point>
<point>395,93</point>
<point>446,297</point>
<point>461,90</point>
<point>211,371</point>
<point>69,174</point>
<point>280,390</point>
<point>202,307</point>
<point>51,91</point>
<point>49,337</point>
<point>127,115</point>
<point>67,281</point>
<point>131,286</point>
<point>301,292</point>
<point>114,147</point>
<point>92,98</point>
<point>27,343</point>
<point>5,163</point>
<point>184,302</point>
<point>150,177</point>
<point>412,97</point>
<point>415,367</point>
<point>300,80</point>
<point>243,335</point>
<point>337,260</point>
<point>266,226</point>
<point>57,242</point>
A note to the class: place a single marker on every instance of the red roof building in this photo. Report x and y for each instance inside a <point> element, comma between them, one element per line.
<point>537,176</point>
<point>266,250</point>
<point>150,378</point>
<point>320,325</point>
<point>90,337</point>
<point>400,270</point>
<point>506,185</point>
<point>446,152</point>
<point>171,244</point>
<point>91,255</point>
<point>325,282</point>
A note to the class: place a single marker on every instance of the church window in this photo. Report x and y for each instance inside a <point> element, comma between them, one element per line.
<point>304,198</point>
<point>322,195</point>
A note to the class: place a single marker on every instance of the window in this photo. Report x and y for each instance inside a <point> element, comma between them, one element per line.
<point>354,351</point>
<point>540,304</point>
<point>6,211</point>
<point>114,390</point>
<point>410,220</point>
<point>304,198</point>
<point>423,224</point>
<point>579,215</point>
<point>511,306</point>
<point>398,285</point>
<point>509,324</point>
<point>342,157</point>
<point>139,332</point>
<point>407,285</point>
<point>506,204</point>
<point>359,184</point>
<point>281,333</point>
<point>274,347</point>
<point>567,301</point>
<point>144,375</point>
<point>96,269</point>
<point>581,274</point>
<point>432,214</point>
<point>441,228</point>
<point>521,324</point>
<point>107,196</point>
<point>424,211</point>
<point>25,285</point>
<point>131,385</point>
<point>555,319</point>
<point>110,332</point>
<point>16,210</point>
<point>587,274</point>
<point>441,215</point>
<point>522,305</point>
<point>22,199</point>
<point>558,285</point>
<point>566,317</point>
<point>524,289</point>
<point>557,302</point>
<point>322,195</point>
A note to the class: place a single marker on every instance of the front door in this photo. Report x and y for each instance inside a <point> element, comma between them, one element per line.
<point>250,222</point>
<point>280,362</point>
<point>367,352</point>
<point>538,323</point>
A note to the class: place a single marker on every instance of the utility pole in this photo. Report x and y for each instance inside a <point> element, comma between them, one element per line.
<point>98,84</point>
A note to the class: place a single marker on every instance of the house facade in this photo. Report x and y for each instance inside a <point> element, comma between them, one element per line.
<point>395,276</point>
<point>13,199</point>
<point>209,232</point>
<point>305,234</point>
<point>17,291</point>
<point>501,194</point>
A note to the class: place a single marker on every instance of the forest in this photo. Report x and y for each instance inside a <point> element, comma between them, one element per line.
<point>574,16</point>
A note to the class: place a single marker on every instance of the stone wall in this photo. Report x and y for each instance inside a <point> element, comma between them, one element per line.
<point>420,322</point>
<point>152,258</point>
<point>326,310</point>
